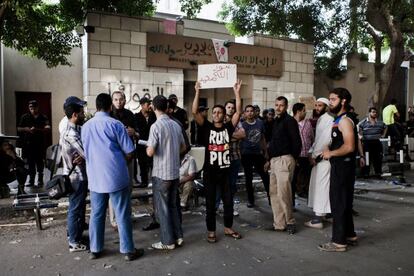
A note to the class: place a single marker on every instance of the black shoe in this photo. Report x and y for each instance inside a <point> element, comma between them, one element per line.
<point>153,225</point>
<point>291,229</point>
<point>95,255</point>
<point>355,213</point>
<point>250,205</point>
<point>142,185</point>
<point>134,255</point>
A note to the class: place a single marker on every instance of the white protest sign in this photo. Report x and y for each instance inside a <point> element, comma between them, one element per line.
<point>217,75</point>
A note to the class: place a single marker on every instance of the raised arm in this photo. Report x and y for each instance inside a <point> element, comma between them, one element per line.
<point>236,116</point>
<point>197,116</point>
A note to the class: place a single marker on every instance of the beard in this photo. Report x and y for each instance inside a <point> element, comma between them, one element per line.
<point>336,109</point>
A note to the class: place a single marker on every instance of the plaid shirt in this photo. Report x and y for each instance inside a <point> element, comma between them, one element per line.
<point>306,135</point>
<point>70,141</point>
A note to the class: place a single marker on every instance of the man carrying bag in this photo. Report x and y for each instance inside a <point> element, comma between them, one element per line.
<point>74,168</point>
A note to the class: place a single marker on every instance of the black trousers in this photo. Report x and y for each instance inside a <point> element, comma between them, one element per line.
<point>396,136</point>
<point>256,161</point>
<point>374,148</point>
<point>301,178</point>
<point>35,159</point>
<point>341,195</point>
<point>214,180</point>
<point>145,163</point>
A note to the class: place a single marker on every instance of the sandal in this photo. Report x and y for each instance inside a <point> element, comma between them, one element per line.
<point>352,241</point>
<point>212,239</point>
<point>331,247</point>
<point>235,235</point>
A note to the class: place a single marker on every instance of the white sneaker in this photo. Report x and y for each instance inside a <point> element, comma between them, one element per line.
<point>235,213</point>
<point>160,246</point>
<point>179,241</point>
<point>318,225</point>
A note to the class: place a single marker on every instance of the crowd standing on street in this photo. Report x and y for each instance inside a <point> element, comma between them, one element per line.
<point>312,157</point>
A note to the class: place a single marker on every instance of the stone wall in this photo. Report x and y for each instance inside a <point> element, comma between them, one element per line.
<point>115,54</point>
<point>297,78</point>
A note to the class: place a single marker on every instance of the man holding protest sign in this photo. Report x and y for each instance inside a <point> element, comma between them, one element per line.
<point>217,136</point>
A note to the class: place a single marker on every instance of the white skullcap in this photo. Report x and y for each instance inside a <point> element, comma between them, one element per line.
<point>323,100</point>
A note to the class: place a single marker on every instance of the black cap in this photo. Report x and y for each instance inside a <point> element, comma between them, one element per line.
<point>33,103</point>
<point>202,108</point>
<point>74,100</point>
<point>144,100</point>
<point>172,96</point>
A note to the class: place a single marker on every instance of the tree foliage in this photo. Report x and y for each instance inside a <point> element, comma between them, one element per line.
<point>45,30</point>
<point>336,28</point>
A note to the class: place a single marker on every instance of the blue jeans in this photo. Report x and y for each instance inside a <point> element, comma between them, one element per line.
<point>76,211</point>
<point>166,209</point>
<point>233,175</point>
<point>121,202</point>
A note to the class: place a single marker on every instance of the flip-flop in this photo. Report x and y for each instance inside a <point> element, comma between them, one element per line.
<point>352,241</point>
<point>235,235</point>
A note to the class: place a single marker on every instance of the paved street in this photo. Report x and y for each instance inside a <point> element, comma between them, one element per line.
<point>384,226</point>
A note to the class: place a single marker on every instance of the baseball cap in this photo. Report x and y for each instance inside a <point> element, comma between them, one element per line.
<point>33,103</point>
<point>144,100</point>
<point>74,100</point>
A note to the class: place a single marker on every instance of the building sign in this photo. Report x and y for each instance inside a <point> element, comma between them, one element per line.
<point>183,52</point>
<point>219,75</point>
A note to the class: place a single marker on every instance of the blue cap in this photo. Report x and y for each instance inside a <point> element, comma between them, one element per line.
<point>74,100</point>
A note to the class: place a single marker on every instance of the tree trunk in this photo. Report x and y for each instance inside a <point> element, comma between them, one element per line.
<point>379,17</point>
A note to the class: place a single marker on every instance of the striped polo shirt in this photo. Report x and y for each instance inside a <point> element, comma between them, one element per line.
<point>166,138</point>
<point>371,131</point>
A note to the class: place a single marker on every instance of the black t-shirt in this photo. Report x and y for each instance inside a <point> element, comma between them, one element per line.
<point>36,138</point>
<point>217,143</point>
<point>181,115</point>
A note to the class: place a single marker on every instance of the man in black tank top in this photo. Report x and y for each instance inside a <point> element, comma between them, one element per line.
<point>341,154</point>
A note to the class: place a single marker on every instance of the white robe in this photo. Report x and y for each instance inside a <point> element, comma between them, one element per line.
<point>320,177</point>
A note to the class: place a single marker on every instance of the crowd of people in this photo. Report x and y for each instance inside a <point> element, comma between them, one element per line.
<point>314,158</point>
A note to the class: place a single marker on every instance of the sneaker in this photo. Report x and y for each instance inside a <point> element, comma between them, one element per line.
<point>161,246</point>
<point>179,242</point>
<point>95,255</point>
<point>134,255</point>
<point>250,205</point>
<point>314,224</point>
<point>235,213</point>
<point>153,225</point>
<point>77,247</point>
<point>291,229</point>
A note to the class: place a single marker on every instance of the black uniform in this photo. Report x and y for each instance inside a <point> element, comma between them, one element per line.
<point>341,191</point>
<point>145,162</point>
<point>33,144</point>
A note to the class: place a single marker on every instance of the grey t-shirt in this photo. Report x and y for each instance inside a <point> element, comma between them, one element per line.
<point>254,133</point>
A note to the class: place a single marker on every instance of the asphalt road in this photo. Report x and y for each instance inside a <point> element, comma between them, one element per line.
<point>385,227</point>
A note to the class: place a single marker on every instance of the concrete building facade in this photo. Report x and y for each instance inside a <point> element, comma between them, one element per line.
<point>114,57</point>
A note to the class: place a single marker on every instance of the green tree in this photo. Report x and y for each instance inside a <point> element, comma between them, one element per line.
<point>45,30</point>
<point>337,28</point>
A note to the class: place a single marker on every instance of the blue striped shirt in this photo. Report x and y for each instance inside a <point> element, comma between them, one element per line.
<point>166,138</point>
<point>371,131</point>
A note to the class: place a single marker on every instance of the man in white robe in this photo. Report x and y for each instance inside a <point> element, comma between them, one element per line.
<point>319,184</point>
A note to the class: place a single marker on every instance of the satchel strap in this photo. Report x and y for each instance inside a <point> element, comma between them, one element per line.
<point>71,170</point>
